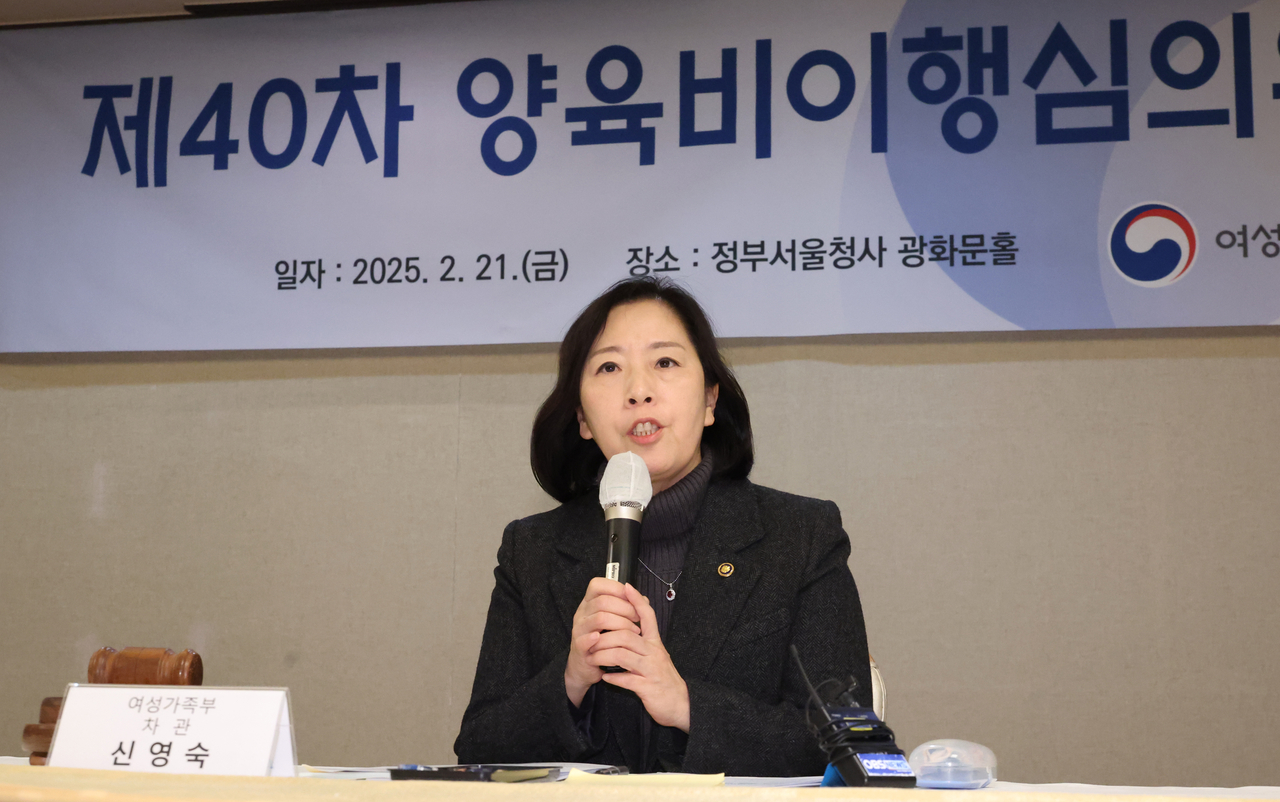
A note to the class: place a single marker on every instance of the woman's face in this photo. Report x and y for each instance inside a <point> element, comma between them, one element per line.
<point>643,390</point>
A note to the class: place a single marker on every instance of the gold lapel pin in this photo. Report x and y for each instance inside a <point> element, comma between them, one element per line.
<point>725,569</point>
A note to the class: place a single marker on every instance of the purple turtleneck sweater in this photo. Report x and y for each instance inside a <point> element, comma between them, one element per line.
<point>664,539</point>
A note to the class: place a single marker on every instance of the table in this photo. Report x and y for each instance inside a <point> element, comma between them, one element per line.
<point>44,784</point>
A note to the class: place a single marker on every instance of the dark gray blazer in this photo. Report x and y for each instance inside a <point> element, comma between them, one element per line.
<point>728,638</point>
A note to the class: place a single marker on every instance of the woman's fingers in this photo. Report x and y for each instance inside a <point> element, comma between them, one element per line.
<point>606,622</point>
<point>602,586</point>
<point>605,608</point>
<point>579,673</point>
<point>625,659</point>
<point>611,604</point>
<point>648,619</point>
<point>624,679</point>
<point>603,612</point>
<point>623,639</point>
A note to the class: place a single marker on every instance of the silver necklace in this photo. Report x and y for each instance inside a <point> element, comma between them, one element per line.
<point>671,590</point>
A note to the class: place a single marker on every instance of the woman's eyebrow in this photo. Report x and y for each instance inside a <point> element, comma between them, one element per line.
<point>618,349</point>
<point>608,348</point>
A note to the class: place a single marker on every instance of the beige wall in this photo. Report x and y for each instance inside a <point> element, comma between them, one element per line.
<point>1066,543</point>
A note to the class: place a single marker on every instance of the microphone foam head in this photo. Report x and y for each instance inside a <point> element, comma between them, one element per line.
<point>626,481</point>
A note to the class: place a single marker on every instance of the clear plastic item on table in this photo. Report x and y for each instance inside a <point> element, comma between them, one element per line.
<point>951,763</point>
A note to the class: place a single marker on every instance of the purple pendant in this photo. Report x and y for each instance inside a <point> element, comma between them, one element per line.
<point>671,594</point>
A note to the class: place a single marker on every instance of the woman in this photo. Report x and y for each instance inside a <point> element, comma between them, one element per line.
<point>731,573</point>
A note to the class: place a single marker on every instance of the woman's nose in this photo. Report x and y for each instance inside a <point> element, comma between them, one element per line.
<point>638,391</point>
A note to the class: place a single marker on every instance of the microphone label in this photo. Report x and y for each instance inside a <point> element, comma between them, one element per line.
<point>611,571</point>
<point>881,764</point>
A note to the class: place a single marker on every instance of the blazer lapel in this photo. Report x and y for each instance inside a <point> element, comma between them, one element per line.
<point>580,555</point>
<point>709,603</point>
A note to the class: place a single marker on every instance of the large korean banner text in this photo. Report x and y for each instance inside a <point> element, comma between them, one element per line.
<point>476,172</point>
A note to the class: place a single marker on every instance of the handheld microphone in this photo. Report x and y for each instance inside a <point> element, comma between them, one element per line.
<point>625,490</point>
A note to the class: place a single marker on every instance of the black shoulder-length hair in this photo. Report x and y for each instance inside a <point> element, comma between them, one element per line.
<point>566,465</point>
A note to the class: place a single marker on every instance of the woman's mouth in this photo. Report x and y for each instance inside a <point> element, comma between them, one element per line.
<point>645,429</point>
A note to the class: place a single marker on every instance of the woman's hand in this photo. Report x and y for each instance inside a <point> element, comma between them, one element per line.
<point>649,673</point>
<point>605,607</point>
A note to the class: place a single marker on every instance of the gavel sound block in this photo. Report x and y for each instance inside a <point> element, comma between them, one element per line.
<point>135,665</point>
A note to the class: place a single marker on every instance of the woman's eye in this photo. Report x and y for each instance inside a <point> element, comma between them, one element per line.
<point>607,367</point>
<point>667,362</point>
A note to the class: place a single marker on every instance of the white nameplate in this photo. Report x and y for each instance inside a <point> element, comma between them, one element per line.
<point>175,729</point>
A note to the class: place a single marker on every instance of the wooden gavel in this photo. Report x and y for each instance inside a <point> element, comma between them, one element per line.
<point>135,665</point>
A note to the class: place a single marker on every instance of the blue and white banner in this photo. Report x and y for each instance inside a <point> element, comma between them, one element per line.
<point>476,172</point>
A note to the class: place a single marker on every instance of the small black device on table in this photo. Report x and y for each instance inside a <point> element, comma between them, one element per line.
<point>858,745</point>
